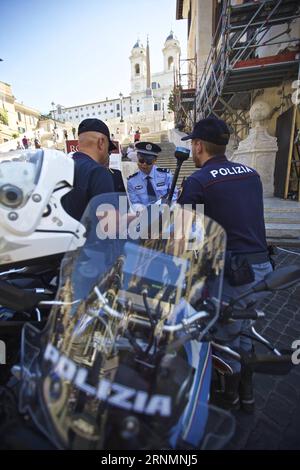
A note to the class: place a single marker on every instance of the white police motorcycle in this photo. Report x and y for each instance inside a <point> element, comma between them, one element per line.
<point>124,360</point>
<point>35,232</point>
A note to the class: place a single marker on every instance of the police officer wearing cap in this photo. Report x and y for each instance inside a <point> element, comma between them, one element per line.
<point>91,176</point>
<point>232,195</point>
<point>150,183</point>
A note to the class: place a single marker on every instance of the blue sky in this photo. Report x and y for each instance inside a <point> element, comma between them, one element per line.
<point>76,51</point>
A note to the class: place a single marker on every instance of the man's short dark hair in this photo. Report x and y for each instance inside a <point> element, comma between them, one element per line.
<point>214,149</point>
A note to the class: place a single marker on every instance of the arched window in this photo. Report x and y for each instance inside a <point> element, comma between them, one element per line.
<point>137,69</point>
<point>155,85</point>
<point>170,62</point>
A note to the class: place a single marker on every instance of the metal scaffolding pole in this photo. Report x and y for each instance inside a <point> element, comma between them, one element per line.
<point>229,67</point>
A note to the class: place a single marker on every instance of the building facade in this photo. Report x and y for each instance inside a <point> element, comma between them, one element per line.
<point>134,108</point>
<point>247,59</point>
<point>104,110</point>
<point>239,52</point>
<point>15,117</point>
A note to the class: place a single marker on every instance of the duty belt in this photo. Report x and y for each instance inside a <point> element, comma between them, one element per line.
<point>255,258</point>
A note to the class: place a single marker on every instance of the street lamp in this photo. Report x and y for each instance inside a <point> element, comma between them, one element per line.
<point>163,107</point>
<point>53,104</point>
<point>121,101</point>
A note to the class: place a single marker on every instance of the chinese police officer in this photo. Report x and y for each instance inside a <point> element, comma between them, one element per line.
<point>150,183</point>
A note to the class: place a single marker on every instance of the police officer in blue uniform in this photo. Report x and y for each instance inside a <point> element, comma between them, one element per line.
<point>232,195</point>
<point>91,176</point>
<point>150,183</point>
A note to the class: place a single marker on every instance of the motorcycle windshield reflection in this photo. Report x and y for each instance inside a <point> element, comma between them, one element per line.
<point>122,363</point>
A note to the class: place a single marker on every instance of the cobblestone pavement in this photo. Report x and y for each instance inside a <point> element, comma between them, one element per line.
<point>276,421</point>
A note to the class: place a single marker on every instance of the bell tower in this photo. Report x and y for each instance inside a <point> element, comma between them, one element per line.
<point>171,52</point>
<point>138,68</point>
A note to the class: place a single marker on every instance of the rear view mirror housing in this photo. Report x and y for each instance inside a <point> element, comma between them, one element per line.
<point>282,278</point>
<point>270,364</point>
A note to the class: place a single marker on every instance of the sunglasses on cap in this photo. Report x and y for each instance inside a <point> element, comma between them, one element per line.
<point>148,162</point>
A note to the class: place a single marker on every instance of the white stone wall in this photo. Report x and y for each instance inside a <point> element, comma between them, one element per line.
<point>275,34</point>
<point>151,122</point>
<point>175,137</point>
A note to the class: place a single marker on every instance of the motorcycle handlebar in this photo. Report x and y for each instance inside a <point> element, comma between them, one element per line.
<point>19,299</point>
<point>246,315</point>
<point>135,319</point>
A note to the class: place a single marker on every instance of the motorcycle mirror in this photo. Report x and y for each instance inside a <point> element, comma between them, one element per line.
<point>270,364</point>
<point>18,299</point>
<point>282,278</point>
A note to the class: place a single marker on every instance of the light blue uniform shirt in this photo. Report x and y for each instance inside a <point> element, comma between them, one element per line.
<point>161,180</point>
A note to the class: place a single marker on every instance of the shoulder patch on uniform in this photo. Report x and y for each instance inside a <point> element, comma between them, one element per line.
<point>131,176</point>
<point>164,170</point>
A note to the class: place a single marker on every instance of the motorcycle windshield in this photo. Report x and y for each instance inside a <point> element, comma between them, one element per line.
<point>123,362</point>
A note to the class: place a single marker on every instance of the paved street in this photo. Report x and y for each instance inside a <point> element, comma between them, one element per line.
<point>276,422</point>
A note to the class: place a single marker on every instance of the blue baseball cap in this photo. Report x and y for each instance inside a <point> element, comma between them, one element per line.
<point>210,130</point>
<point>96,125</point>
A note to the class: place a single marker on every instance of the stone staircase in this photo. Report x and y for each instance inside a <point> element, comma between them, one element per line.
<point>155,137</point>
<point>282,218</point>
<point>166,159</point>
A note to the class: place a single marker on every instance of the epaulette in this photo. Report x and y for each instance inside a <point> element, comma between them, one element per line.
<point>164,170</point>
<point>131,176</point>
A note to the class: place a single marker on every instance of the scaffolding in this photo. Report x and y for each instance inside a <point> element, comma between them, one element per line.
<point>185,80</point>
<point>236,69</point>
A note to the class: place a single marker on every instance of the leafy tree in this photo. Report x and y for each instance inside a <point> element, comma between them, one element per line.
<point>171,104</point>
<point>3,117</point>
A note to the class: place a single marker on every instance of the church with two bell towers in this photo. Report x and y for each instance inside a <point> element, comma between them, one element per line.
<point>160,83</point>
<point>147,104</point>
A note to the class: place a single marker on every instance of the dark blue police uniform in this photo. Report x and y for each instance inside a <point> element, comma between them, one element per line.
<point>232,195</point>
<point>117,180</point>
<point>90,179</point>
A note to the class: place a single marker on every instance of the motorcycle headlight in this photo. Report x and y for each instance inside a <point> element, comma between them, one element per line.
<point>11,196</point>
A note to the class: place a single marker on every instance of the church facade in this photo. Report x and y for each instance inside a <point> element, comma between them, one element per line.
<point>147,104</point>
